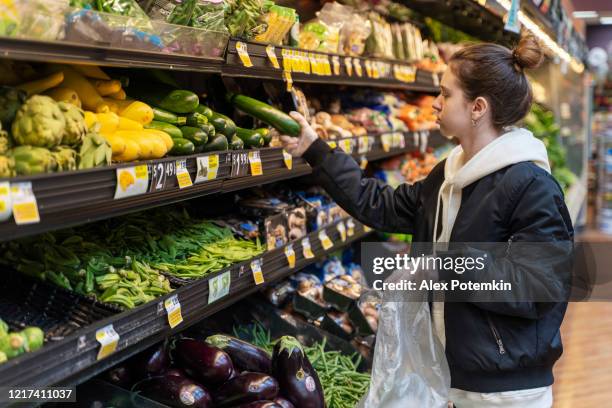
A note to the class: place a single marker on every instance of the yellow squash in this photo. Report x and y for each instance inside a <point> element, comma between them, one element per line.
<point>112,105</point>
<point>90,119</point>
<point>138,111</point>
<point>63,94</point>
<point>117,143</point>
<point>41,85</point>
<point>106,88</point>
<point>109,122</point>
<point>120,95</point>
<point>147,145</point>
<point>163,135</point>
<point>128,124</point>
<point>90,71</point>
<point>131,152</point>
<point>90,98</point>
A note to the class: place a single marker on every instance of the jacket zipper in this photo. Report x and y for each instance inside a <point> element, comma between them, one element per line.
<point>498,340</point>
<point>510,240</point>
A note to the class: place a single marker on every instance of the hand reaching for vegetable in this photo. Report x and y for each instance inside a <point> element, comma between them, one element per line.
<point>296,146</point>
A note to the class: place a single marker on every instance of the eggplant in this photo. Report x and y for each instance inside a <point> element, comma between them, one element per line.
<point>175,392</point>
<point>245,356</point>
<point>283,402</point>
<point>152,362</point>
<point>203,362</point>
<point>120,376</point>
<point>261,404</point>
<point>247,387</point>
<point>177,372</point>
<point>297,378</point>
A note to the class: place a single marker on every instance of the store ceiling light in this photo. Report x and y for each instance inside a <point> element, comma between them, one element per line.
<point>605,20</point>
<point>585,14</point>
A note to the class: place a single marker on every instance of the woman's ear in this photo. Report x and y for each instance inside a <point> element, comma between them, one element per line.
<point>480,107</point>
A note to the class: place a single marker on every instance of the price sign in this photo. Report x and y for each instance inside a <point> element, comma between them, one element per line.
<point>400,140</point>
<point>219,286</point>
<point>6,206</point>
<point>366,228</point>
<point>288,159</point>
<point>314,66</point>
<point>286,59</point>
<point>332,144</point>
<point>327,70</point>
<point>342,230</point>
<point>255,161</point>
<point>296,62</point>
<point>132,181</point>
<point>362,145</point>
<point>271,51</point>
<point>243,54</point>
<point>288,80</point>
<point>375,70</point>
<point>182,175</point>
<point>368,66</point>
<point>173,309</point>
<point>358,67</point>
<point>161,175</point>
<point>350,227</point>
<point>240,164</point>
<point>108,339</point>
<point>307,249</point>
<point>208,167</point>
<point>305,62</point>
<point>25,207</point>
<point>290,255</point>
<point>258,276</point>
<point>363,163</point>
<point>325,241</point>
<point>346,145</point>
<point>348,64</point>
<point>386,140</point>
<point>336,64</point>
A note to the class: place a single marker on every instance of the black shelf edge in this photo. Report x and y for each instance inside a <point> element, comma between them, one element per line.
<point>73,359</point>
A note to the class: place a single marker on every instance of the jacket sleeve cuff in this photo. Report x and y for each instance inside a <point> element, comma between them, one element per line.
<point>317,152</point>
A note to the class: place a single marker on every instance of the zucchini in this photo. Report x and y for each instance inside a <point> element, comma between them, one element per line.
<point>266,134</point>
<point>172,130</point>
<point>209,129</point>
<point>162,115</point>
<point>196,119</point>
<point>204,110</point>
<point>195,134</point>
<point>182,147</point>
<point>173,100</point>
<point>217,143</point>
<point>237,143</point>
<point>251,138</point>
<point>266,113</point>
<point>223,124</point>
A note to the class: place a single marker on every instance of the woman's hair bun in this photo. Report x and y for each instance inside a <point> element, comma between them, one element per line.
<point>528,53</point>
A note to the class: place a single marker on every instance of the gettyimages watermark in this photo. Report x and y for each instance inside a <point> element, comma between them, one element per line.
<point>557,271</point>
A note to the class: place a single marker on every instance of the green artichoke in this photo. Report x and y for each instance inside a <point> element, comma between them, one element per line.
<point>7,166</point>
<point>65,157</point>
<point>75,124</point>
<point>39,122</point>
<point>31,160</point>
<point>11,100</point>
<point>5,142</point>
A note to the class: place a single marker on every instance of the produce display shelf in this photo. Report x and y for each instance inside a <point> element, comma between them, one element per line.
<point>70,52</point>
<point>71,198</point>
<point>74,359</point>
<point>262,68</point>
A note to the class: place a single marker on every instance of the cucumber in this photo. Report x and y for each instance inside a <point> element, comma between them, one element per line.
<point>209,129</point>
<point>251,138</point>
<point>172,130</point>
<point>237,143</point>
<point>182,147</point>
<point>223,124</point>
<point>173,100</point>
<point>266,113</point>
<point>196,119</point>
<point>162,115</point>
<point>266,134</point>
<point>217,143</point>
<point>204,110</point>
<point>195,134</point>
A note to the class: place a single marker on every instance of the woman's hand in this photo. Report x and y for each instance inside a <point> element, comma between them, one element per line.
<point>296,146</point>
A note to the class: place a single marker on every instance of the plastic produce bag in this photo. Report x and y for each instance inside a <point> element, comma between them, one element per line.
<point>8,17</point>
<point>43,20</point>
<point>409,368</point>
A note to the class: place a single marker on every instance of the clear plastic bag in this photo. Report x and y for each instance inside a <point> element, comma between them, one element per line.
<point>409,368</point>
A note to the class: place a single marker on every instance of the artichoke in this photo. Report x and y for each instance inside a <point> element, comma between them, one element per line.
<point>39,122</point>
<point>65,157</point>
<point>7,166</point>
<point>11,100</point>
<point>75,124</point>
<point>5,142</point>
<point>32,160</point>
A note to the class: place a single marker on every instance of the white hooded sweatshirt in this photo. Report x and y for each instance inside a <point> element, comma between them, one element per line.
<point>515,146</point>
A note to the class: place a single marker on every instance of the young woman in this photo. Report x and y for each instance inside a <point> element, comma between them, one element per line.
<point>494,187</point>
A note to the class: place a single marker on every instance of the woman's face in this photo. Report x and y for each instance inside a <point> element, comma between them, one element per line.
<point>452,109</point>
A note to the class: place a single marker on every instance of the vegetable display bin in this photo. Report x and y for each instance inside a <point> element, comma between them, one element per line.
<point>337,300</point>
<point>308,307</point>
<point>359,321</point>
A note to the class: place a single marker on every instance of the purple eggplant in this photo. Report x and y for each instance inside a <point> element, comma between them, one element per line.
<point>261,404</point>
<point>245,356</point>
<point>247,387</point>
<point>177,372</point>
<point>151,362</point>
<point>283,402</point>
<point>298,381</point>
<point>175,392</point>
<point>205,363</point>
<point>120,376</point>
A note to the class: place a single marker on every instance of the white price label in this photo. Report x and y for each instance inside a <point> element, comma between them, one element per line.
<point>288,159</point>
<point>173,308</point>
<point>132,181</point>
<point>342,230</point>
<point>271,51</point>
<point>290,255</point>
<point>307,249</point>
<point>6,206</point>
<point>350,227</point>
<point>336,64</point>
<point>325,241</point>
<point>25,207</point>
<point>363,163</point>
<point>347,146</point>
<point>258,276</point>
<point>208,168</point>
<point>368,66</point>
<point>243,54</point>
<point>161,174</point>
<point>108,339</point>
<point>362,145</point>
<point>219,286</point>
<point>348,64</point>
<point>358,67</point>
<point>436,79</point>
<point>182,175</point>
<point>255,162</point>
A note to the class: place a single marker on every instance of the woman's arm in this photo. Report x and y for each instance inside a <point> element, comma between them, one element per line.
<point>367,199</point>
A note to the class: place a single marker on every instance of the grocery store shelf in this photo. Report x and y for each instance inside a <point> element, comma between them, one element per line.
<point>68,52</point>
<point>73,359</point>
<point>71,198</point>
<point>263,69</point>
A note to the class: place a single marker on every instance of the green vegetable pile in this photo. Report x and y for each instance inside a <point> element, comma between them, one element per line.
<point>243,17</point>
<point>544,126</point>
<point>14,344</point>
<point>343,385</point>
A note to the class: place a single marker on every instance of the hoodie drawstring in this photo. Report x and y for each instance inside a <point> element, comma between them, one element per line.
<point>435,230</point>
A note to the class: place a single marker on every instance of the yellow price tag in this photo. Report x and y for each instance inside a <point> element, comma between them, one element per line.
<point>342,230</point>
<point>173,308</point>
<point>290,254</point>
<point>258,276</point>
<point>347,146</point>
<point>255,161</point>
<point>243,54</point>
<point>350,227</point>
<point>332,144</point>
<point>363,163</point>
<point>368,65</point>
<point>288,159</point>
<point>336,64</point>
<point>348,64</point>
<point>358,67</point>
<point>325,241</point>
<point>286,59</point>
<point>25,207</point>
<point>182,175</point>
<point>288,80</point>
<point>108,339</point>
<point>307,249</point>
<point>271,51</point>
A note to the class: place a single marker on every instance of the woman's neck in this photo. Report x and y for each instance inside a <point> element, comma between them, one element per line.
<point>477,140</point>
